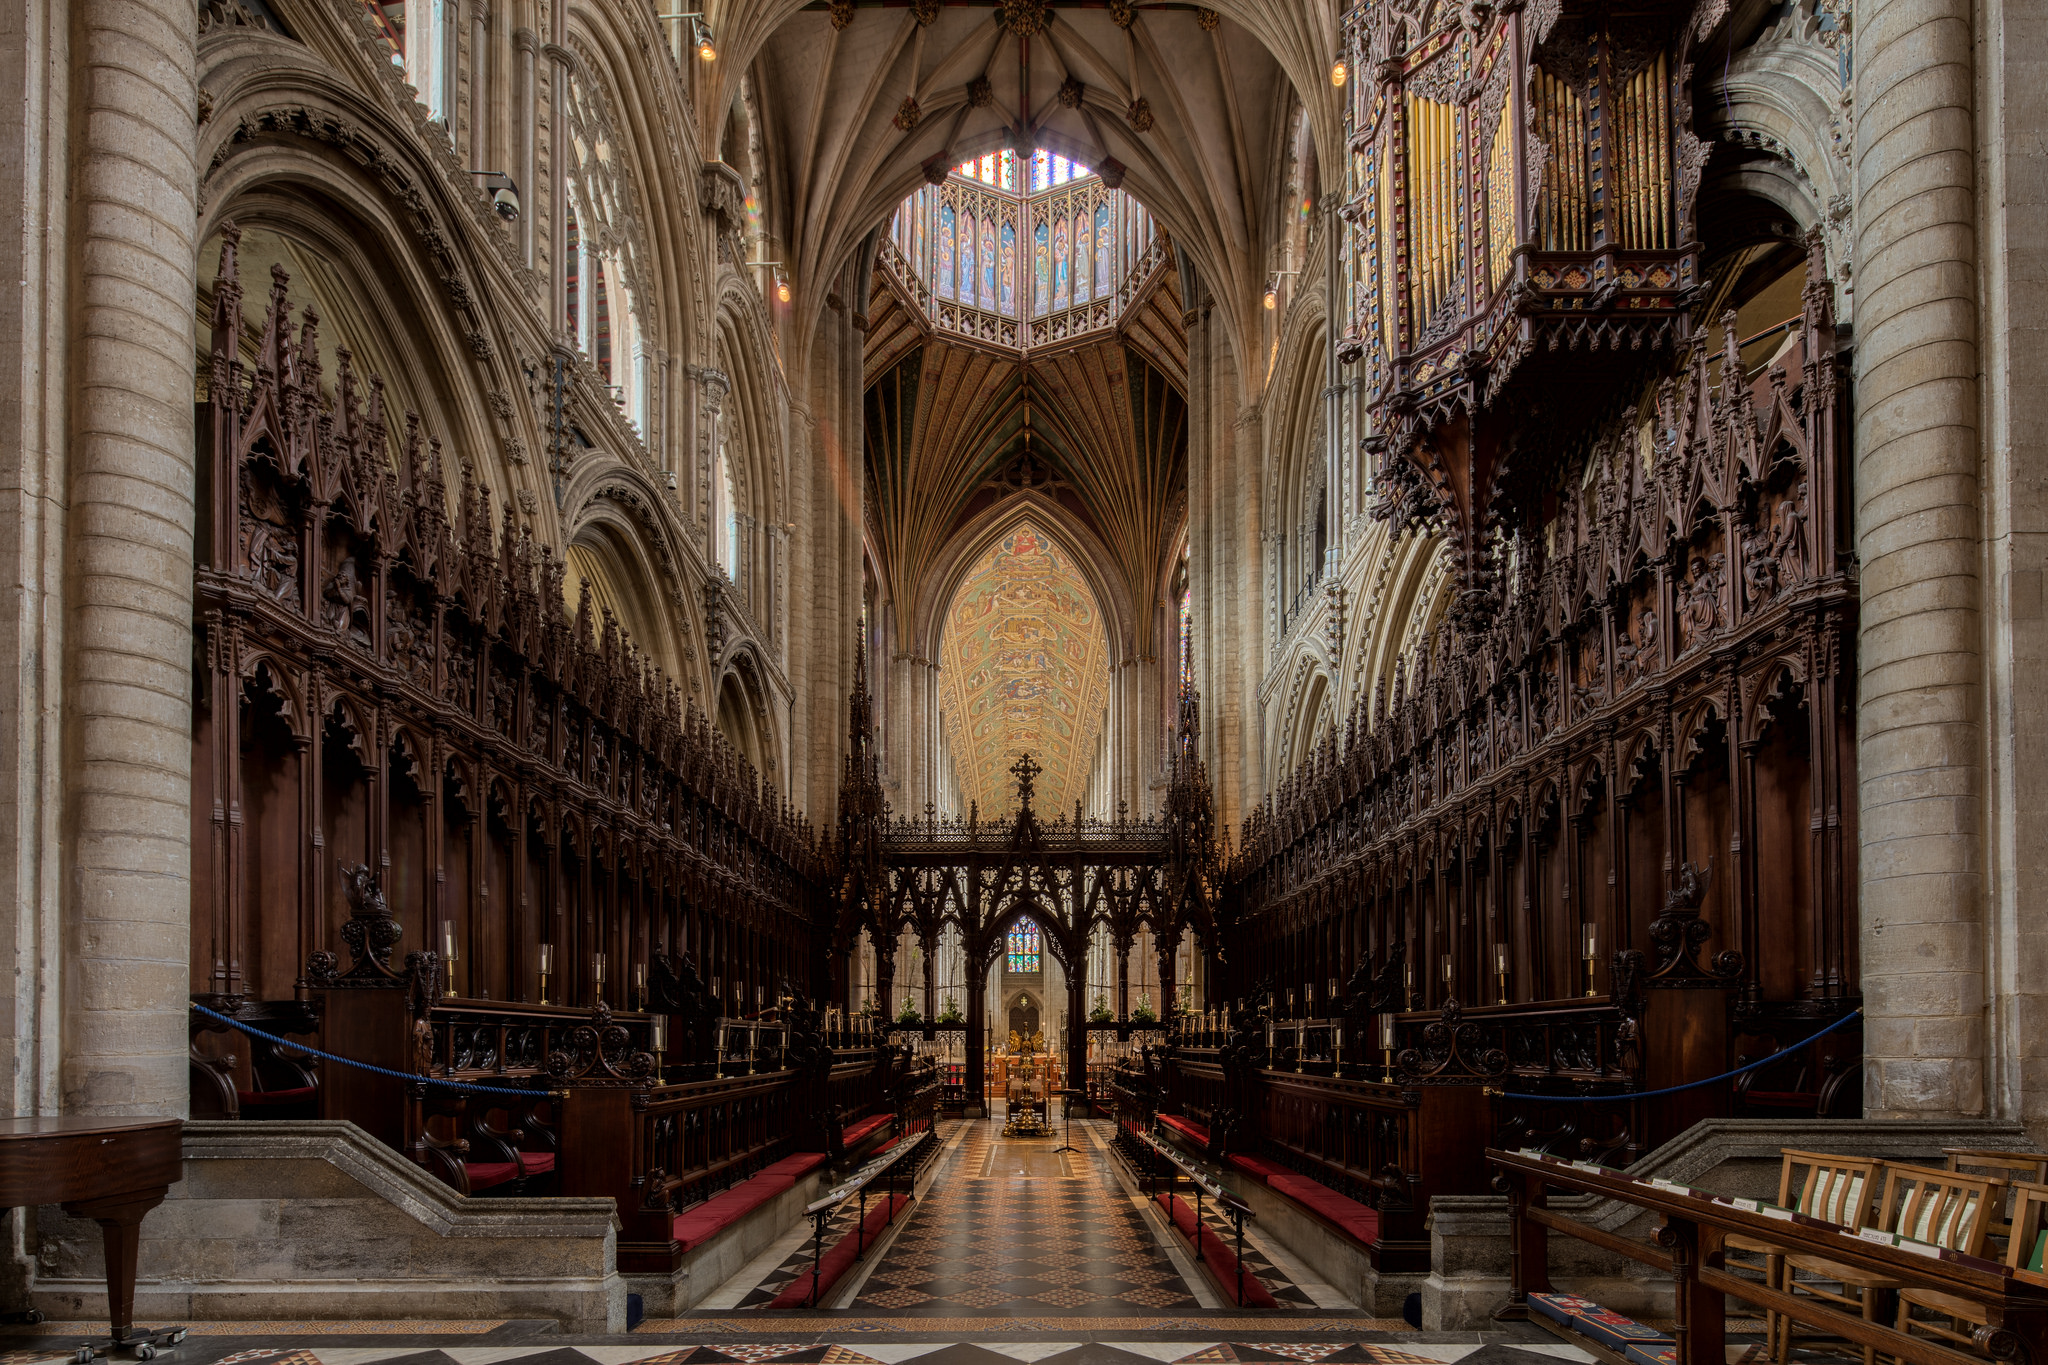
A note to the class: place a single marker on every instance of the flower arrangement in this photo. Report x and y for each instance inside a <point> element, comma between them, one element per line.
<point>949,1012</point>
<point>1102,1014</point>
<point>1143,1013</point>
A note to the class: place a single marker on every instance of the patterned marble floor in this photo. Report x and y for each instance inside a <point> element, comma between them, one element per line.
<point>1047,1349</point>
<point>1015,1229</point>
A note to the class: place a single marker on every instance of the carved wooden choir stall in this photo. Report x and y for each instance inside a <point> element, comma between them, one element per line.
<point>1592,835</point>
<point>452,830</point>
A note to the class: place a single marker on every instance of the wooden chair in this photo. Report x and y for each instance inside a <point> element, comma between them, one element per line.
<point>2024,1248</point>
<point>1942,1207</point>
<point>1840,1189</point>
<point>2007,1166</point>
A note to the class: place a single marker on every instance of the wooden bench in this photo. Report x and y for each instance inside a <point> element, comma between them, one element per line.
<point>1359,1222</point>
<point>697,1225</point>
<point>2008,1302</point>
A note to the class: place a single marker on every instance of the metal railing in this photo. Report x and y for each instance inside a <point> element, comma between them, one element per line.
<point>820,1210</point>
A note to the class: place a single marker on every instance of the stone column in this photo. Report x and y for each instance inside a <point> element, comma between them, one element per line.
<point>1919,719</point>
<point>128,686</point>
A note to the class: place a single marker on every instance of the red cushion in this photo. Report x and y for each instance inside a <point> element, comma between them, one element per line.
<point>1218,1256</point>
<point>536,1163</point>
<point>797,1293</point>
<point>1348,1215</point>
<point>1188,1127</point>
<point>485,1174</point>
<point>798,1166</point>
<point>700,1224</point>
<point>1257,1167</point>
<point>854,1132</point>
<point>298,1094</point>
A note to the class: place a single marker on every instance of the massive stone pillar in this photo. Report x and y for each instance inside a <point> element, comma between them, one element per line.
<point>128,684</point>
<point>1920,742</point>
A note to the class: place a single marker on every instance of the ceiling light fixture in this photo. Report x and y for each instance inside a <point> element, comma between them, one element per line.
<point>1338,74</point>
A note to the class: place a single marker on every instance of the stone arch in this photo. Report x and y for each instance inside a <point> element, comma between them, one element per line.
<point>744,683</point>
<point>748,436</point>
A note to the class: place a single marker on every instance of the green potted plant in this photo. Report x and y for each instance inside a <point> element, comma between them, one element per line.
<point>908,1015</point>
<point>1102,1013</point>
<point>949,1012</point>
<point>1143,1013</point>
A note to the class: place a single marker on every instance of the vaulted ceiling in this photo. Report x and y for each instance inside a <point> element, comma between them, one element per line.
<point>858,97</point>
<point>1100,428</point>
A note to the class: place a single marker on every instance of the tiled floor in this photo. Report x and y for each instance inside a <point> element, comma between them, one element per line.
<point>1013,1229</point>
<point>807,1349</point>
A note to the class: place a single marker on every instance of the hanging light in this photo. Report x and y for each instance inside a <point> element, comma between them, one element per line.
<point>1272,294</point>
<point>781,287</point>
<point>707,49</point>
<point>1338,73</point>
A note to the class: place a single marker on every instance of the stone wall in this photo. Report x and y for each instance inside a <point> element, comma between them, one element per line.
<point>317,1220</point>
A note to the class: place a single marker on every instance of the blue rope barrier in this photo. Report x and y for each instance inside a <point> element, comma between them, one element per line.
<point>1777,1056</point>
<point>364,1066</point>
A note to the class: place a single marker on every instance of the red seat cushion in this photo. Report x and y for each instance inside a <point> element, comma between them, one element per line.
<point>298,1094</point>
<point>1186,1127</point>
<point>485,1174</point>
<point>1217,1255</point>
<point>854,1132</point>
<point>1257,1167</point>
<point>536,1163</point>
<point>1348,1215</point>
<point>799,1291</point>
<point>700,1224</point>
<point>798,1166</point>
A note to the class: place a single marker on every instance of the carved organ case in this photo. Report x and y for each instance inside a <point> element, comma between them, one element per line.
<point>1522,199</point>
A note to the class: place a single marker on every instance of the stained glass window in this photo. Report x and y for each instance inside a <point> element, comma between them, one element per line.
<point>1024,947</point>
<point>946,252</point>
<point>1039,240</point>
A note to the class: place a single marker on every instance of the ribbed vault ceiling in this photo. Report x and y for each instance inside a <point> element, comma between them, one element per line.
<point>1204,151</point>
<point>952,432</point>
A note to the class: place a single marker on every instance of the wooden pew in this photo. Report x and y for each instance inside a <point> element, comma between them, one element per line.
<point>1691,1247</point>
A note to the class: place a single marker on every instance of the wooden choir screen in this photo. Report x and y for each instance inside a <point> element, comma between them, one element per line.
<point>393,691</point>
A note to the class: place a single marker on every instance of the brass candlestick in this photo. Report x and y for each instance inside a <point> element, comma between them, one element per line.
<point>1592,954</point>
<point>448,958</point>
<point>1500,969</point>
<point>547,966</point>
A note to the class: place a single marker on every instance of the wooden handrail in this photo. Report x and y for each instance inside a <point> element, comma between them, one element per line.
<point>1696,1227</point>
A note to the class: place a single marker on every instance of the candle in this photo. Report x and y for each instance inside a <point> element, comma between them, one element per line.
<point>597,969</point>
<point>1592,940</point>
<point>547,959</point>
<point>448,954</point>
<point>1447,969</point>
<point>1500,958</point>
<point>658,1034</point>
<point>1387,1032</point>
<point>640,981</point>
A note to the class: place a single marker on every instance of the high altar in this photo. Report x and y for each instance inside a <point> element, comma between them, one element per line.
<point>1028,1080</point>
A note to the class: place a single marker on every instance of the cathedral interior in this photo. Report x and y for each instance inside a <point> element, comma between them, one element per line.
<point>979,681</point>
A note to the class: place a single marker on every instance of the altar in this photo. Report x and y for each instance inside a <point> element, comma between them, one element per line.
<point>1027,1077</point>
